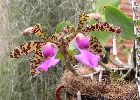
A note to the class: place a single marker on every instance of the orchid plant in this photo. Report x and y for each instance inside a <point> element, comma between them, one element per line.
<point>91,51</point>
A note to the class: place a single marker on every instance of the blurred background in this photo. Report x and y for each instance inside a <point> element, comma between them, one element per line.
<point>16,15</point>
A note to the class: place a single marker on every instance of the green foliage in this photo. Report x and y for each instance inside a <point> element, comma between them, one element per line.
<point>99,5</point>
<point>71,52</point>
<point>91,21</point>
<point>61,25</point>
<point>59,55</point>
<point>114,74</point>
<point>118,18</point>
<point>125,51</point>
<point>138,38</point>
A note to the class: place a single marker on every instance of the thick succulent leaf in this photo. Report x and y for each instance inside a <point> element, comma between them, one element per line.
<point>61,25</point>
<point>99,5</point>
<point>118,18</point>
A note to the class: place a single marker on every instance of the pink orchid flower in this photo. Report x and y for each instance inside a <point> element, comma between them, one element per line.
<point>49,52</point>
<point>85,57</point>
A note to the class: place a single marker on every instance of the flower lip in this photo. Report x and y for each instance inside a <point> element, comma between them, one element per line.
<point>82,41</point>
<point>51,62</point>
<point>87,58</point>
<point>49,50</point>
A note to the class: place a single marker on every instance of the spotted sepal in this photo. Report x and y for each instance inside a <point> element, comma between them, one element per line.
<point>68,33</point>
<point>37,30</point>
<point>82,19</point>
<point>95,47</point>
<point>102,26</point>
<point>35,62</point>
<point>25,49</point>
<point>54,38</point>
<point>68,29</point>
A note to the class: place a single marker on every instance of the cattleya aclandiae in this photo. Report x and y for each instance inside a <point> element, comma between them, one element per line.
<point>61,42</point>
<point>85,57</point>
<point>49,52</point>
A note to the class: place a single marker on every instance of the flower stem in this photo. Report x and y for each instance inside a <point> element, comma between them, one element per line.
<point>69,67</point>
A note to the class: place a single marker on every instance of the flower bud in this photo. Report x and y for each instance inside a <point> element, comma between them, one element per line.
<point>27,31</point>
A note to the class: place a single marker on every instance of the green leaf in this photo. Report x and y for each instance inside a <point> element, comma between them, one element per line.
<point>61,25</point>
<point>91,21</point>
<point>118,18</point>
<point>99,5</point>
<point>138,22</point>
<point>114,74</point>
<point>138,37</point>
<point>59,56</point>
<point>125,51</point>
<point>71,52</point>
<point>102,36</point>
<point>71,46</point>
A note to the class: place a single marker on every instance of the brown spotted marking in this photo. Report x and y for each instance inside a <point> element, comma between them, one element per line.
<point>70,37</point>
<point>25,49</point>
<point>63,45</point>
<point>68,29</point>
<point>64,34</point>
<point>37,30</point>
<point>82,19</point>
<point>54,38</point>
<point>95,47</point>
<point>102,26</point>
<point>35,62</point>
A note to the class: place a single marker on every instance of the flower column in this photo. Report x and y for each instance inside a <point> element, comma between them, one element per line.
<point>136,45</point>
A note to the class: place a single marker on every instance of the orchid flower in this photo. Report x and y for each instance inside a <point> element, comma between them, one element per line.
<point>85,57</point>
<point>49,52</point>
